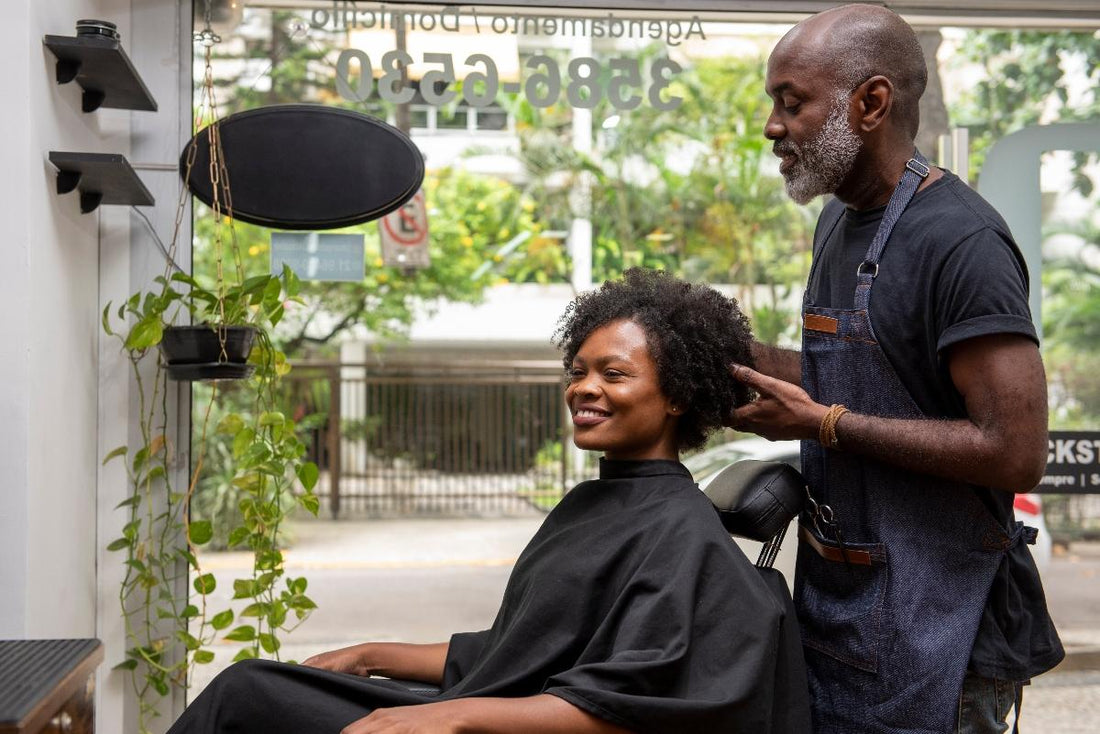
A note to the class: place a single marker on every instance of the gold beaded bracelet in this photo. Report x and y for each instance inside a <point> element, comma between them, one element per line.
<point>827,434</point>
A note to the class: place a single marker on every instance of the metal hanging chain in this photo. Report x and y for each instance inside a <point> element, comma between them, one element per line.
<point>221,201</point>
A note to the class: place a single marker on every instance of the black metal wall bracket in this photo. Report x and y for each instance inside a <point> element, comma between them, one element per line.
<point>101,178</point>
<point>102,69</point>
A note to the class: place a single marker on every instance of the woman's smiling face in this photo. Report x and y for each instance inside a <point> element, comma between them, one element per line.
<point>615,397</point>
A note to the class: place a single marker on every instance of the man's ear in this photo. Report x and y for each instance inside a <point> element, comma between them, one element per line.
<point>874,99</point>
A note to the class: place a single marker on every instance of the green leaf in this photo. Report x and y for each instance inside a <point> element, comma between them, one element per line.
<point>120,451</point>
<point>256,609</point>
<point>242,441</point>
<point>230,425</point>
<point>203,656</point>
<point>272,291</point>
<point>126,665</point>
<point>301,603</point>
<point>189,641</point>
<point>189,557</point>
<point>255,284</point>
<point>269,559</point>
<point>146,333</point>
<point>237,536</point>
<point>159,684</point>
<point>293,283</point>
<point>205,584</point>
<point>140,458</point>
<point>244,588</point>
<point>200,531</point>
<point>276,616</point>
<point>130,529</point>
<point>185,278</point>
<point>134,499</point>
<point>307,474</point>
<point>107,319</point>
<point>269,642</point>
<point>222,620</point>
<point>275,315</point>
<point>272,418</point>
<point>298,585</point>
<point>189,611</point>
<point>310,502</point>
<point>119,544</point>
<point>244,633</point>
<point>246,654</point>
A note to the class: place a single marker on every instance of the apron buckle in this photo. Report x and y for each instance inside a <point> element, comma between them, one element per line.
<point>917,167</point>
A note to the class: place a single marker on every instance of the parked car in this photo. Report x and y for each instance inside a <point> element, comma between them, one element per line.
<point>706,464</point>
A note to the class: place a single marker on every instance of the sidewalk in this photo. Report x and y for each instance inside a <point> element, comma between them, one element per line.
<point>420,580</point>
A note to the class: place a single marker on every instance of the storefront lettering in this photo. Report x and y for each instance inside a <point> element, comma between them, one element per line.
<point>584,81</point>
<point>347,15</point>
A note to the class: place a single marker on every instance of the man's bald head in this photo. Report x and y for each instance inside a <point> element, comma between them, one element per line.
<point>858,42</point>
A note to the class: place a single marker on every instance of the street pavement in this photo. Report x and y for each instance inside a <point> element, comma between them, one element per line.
<point>420,580</point>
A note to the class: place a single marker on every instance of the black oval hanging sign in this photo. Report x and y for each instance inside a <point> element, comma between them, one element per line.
<point>308,167</point>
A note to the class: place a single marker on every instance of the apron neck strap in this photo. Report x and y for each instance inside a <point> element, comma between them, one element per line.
<point>916,170</point>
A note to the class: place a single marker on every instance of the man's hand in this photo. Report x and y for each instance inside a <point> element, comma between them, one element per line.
<point>429,718</point>
<point>781,410</point>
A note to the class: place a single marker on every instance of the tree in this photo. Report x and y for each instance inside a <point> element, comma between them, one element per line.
<point>1029,77</point>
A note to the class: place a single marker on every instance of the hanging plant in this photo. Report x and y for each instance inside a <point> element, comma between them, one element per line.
<point>228,337</point>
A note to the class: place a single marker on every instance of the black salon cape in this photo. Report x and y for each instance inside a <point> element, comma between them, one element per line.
<point>631,602</point>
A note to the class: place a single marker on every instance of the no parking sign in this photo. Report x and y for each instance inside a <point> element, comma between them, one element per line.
<point>404,235</point>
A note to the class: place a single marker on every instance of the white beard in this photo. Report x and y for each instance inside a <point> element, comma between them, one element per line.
<point>822,164</point>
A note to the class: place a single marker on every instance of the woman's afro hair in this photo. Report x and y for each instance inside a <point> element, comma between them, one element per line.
<point>694,333</point>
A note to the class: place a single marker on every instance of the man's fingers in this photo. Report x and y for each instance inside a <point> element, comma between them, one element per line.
<point>759,382</point>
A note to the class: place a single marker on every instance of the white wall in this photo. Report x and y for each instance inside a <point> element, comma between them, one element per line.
<point>14,293</point>
<point>64,389</point>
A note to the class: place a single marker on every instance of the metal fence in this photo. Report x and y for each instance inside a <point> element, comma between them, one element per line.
<point>461,438</point>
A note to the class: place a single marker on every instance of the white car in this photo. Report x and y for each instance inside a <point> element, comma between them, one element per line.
<point>706,464</point>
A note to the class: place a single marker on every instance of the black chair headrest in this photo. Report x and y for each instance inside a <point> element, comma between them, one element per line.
<point>757,499</point>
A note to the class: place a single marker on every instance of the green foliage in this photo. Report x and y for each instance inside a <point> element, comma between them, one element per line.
<point>1071,332</point>
<point>257,454</point>
<point>696,192</point>
<point>472,218</point>
<point>170,631</point>
<point>1026,80</point>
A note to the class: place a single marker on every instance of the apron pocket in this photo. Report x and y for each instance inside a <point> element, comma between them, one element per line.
<point>840,605</point>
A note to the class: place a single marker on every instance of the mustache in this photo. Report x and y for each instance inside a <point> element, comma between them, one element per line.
<point>785,147</point>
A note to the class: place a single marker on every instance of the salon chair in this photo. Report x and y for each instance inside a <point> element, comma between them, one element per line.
<point>756,500</point>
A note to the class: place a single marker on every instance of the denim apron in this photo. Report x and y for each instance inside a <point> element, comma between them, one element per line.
<point>889,614</point>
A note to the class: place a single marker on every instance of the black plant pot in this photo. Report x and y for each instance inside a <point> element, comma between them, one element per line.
<point>196,352</point>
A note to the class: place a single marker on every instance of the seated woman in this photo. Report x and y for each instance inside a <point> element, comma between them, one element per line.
<point>631,609</point>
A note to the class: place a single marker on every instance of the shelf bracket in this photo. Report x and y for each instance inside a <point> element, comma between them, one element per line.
<point>89,201</point>
<point>66,70</point>
<point>92,99</point>
<point>67,181</point>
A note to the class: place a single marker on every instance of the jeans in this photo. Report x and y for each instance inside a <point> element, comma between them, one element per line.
<point>984,705</point>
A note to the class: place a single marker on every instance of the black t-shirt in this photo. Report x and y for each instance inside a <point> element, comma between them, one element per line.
<point>950,272</point>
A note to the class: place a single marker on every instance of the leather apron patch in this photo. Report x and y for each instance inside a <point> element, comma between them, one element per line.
<point>815,322</point>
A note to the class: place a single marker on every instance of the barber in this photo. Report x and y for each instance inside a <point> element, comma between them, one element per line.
<point>919,396</point>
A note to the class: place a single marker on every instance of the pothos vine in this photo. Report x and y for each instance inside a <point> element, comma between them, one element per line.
<point>169,630</point>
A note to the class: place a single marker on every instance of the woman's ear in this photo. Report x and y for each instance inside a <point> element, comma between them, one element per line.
<point>675,409</point>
